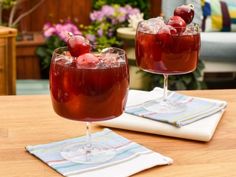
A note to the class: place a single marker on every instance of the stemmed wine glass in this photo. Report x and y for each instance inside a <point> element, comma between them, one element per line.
<point>90,87</point>
<point>168,51</point>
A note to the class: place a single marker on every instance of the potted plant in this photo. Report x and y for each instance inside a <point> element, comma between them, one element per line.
<point>101,32</point>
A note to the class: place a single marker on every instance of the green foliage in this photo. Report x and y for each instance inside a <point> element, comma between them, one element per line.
<point>105,40</point>
<point>103,27</point>
<point>45,51</point>
<point>189,81</point>
<point>143,5</point>
<point>6,4</point>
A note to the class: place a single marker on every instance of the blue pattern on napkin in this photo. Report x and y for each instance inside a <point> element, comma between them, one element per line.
<point>195,109</point>
<point>50,153</point>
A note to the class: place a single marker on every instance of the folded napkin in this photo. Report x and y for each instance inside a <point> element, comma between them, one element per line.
<point>195,108</point>
<point>130,158</point>
<point>201,130</point>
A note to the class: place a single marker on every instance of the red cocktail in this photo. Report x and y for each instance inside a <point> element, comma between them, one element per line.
<point>168,48</point>
<point>86,93</point>
<point>166,53</point>
<point>89,87</point>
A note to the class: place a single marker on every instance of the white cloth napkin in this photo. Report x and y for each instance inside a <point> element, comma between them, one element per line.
<point>193,110</point>
<point>201,130</point>
<point>130,158</point>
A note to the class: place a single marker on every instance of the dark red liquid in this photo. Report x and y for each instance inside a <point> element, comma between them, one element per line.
<point>167,54</point>
<point>88,94</point>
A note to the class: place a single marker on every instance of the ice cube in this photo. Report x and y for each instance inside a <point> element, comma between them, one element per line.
<point>109,59</point>
<point>151,25</point>
<point>107,50</point>
<point>121,59</point>
<point>191,29</point>
<point>63,60</point>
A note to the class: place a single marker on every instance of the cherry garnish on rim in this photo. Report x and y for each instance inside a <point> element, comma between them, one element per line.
<point>178,23</point>
<point>186,12</point>
<point>78,45</point>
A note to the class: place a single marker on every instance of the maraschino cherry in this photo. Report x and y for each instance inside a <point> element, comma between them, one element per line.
<point>87,60</point>
<point>78,45</point>
<point>186,12</point>
<point>178,23</point>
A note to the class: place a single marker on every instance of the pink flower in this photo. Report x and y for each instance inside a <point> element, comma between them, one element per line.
<point>122,14</point>
<point>67,28</point>
<point>119,14</point>
<point>110,33</point>
<point>108,10</point>
<point>114,21</point>
<point>134,11</point>
<point>46,26</point>
<point>131,11</point>
<point>70,27</point>
<point>49,32</point>
<point>100,32</point>
<point>96,16</point>
<point>60,30</point>
<point>122,10</point>
<point>91,37</point>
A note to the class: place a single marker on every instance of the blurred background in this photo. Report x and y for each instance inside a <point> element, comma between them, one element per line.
<point>31,29</point>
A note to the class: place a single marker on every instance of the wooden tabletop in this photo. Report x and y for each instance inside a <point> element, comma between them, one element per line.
<point>29,120</point>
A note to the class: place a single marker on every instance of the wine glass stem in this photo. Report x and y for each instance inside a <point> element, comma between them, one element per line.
<point>165,87</point>
<point>88,138</point>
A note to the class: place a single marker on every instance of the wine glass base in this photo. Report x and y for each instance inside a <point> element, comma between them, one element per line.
<point>84,154</point>
<point>164,107</point>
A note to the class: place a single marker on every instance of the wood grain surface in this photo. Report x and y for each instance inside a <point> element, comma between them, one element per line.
<point>55,11</point>
<point>30,120</point>
<point>27,62</point>
<point>7,61</point>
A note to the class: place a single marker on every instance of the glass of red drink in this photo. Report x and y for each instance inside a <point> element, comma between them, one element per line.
<point>92,89</point>
<point>161,51</point>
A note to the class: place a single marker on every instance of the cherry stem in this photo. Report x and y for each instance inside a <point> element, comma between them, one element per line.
<point>191,6</point>
<point>70,34</point>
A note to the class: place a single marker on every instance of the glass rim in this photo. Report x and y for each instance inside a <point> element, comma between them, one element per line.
<point>120,52</point>
<point>195,26</point>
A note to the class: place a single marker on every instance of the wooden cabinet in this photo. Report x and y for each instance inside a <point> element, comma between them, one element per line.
<point>7,61</point>
<point>27,62</point>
